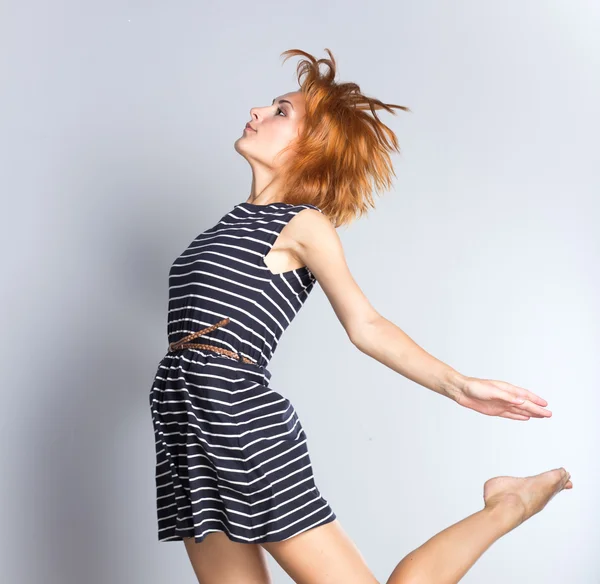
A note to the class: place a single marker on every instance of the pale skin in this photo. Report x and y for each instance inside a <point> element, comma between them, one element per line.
<point>325,554</point>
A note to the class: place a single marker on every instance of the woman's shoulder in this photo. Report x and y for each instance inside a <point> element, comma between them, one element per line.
<point>309,206</point>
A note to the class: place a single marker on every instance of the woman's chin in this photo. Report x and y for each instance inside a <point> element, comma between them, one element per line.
<point>236,145</point>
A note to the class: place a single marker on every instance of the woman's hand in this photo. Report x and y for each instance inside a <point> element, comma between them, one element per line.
<point>499,398</point>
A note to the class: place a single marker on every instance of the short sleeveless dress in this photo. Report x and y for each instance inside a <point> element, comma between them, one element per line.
<point>231,453</point>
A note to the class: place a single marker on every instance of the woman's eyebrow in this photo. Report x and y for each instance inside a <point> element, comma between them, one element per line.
<point>281,101</point>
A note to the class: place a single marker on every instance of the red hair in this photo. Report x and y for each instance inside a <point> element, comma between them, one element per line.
<point>342,153</point>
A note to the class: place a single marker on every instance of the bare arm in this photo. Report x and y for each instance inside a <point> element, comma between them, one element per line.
<point>390,345</point>
<point>317,244</point>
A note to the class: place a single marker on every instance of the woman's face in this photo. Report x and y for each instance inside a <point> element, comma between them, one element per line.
<point>274,126</point>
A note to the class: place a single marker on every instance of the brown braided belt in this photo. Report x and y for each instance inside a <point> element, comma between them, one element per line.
<point>184,344</point>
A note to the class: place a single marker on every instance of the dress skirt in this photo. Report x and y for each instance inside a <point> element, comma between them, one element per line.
<point>231,453</point>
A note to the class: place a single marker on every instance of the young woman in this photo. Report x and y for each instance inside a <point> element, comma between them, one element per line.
<point>233,474</point>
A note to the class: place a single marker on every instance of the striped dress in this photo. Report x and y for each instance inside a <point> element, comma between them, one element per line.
<point>231,453</point>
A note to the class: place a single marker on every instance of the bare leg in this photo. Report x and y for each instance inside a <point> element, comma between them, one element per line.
<point>509,501</point>
<point>218,560</point>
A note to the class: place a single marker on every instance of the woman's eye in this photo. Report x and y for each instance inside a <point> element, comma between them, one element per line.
<point>280,110</point>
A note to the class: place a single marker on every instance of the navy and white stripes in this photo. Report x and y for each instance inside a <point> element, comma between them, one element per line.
<point>231,453</point>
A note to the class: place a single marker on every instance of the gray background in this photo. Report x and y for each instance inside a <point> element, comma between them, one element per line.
<point>118,121</point>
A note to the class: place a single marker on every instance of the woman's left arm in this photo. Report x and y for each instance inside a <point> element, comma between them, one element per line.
<point>387,343</point>
<point>315,242</point>
<point>384,341</point>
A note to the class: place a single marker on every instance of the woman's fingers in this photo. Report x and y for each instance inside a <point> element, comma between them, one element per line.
<point>536,399</point>
<point>522,392</point>
<point>520,411</point>
<point>527,407</point>
<point>531,411</point>
<point>534,410</point>
<point>513,416</point>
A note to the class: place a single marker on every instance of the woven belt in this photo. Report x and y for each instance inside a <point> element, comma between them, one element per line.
<point>184,344</point>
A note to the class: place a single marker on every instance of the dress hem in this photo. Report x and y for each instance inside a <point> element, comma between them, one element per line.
<point>265,539</point>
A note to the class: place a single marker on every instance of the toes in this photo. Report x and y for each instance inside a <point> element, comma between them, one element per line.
<point>563,474</point>
<point>566,480</point>
<point>556,475</point>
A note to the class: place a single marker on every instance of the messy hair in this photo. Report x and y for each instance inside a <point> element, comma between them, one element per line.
<point>342,153</point>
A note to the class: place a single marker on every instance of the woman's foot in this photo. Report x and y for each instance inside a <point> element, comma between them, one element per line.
<point>519,498</point>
